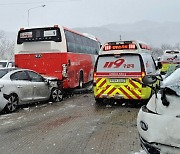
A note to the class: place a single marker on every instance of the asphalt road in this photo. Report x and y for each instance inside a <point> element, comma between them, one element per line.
<point>77,125</point>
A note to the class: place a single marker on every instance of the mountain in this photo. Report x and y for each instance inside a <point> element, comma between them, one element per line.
<point>153,33</point>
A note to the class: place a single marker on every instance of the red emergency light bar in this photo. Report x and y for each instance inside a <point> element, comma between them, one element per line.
<point>120,47</point>
<point>145,46</point>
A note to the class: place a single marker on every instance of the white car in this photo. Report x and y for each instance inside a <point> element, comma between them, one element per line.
<point>22,86</point>
<point>158,122</point>
<point>6,63</point>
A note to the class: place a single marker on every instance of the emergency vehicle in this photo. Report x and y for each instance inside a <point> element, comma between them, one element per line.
<point>119,70</point>
<point>170,60</point>
<point>56,51</point>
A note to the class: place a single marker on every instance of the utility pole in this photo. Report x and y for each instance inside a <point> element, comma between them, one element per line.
<point>34,8</point>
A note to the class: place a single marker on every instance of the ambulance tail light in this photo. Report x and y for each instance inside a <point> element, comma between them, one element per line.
<point>143,74</point>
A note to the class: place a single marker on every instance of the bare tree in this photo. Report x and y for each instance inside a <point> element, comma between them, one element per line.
<point>156,52</point>
<point>177,46</point>
<point>166,47</point>
<point>6,47</point>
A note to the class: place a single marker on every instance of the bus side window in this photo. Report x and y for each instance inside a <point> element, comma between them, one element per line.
<point>70,41</point>
<point>85,45</point>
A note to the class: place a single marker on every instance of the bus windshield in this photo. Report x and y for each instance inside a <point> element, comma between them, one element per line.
<point>39,34</point>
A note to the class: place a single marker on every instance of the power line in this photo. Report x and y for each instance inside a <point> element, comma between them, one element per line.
<point>40,2</point>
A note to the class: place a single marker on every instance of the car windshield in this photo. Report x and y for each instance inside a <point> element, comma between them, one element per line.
<point>173,81</point>
<point>3,64</point>
<point>4,72</point>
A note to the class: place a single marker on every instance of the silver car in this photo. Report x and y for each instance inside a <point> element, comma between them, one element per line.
<point>22,86</point>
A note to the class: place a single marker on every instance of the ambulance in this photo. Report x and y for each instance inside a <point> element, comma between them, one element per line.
<point>119,69</point>
<point>170,61</point>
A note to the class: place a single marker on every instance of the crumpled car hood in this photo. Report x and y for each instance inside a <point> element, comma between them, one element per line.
<point>173,82</point>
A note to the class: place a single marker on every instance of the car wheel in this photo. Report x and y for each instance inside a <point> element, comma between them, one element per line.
<point>12,103</point>
<point>56,95</point>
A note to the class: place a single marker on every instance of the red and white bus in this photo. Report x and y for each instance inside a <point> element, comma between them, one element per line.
<point>56,51</point>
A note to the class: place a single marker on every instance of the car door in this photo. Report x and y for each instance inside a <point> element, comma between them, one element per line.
<point>22,86</point>
<point>40,88</point>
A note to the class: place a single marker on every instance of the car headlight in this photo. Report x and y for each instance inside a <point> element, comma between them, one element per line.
<point>144,126</point>
<point>145,109</point>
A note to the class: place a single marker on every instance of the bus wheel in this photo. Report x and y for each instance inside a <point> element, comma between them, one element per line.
<point>81,81</point>
<point>56,95</point>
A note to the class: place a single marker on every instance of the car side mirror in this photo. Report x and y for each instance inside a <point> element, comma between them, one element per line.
<point>149,79</point>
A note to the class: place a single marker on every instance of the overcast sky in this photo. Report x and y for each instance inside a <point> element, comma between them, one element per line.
<point>84,13</point>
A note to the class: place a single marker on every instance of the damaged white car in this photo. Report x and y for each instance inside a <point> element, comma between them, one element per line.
<point>22,86</point>
<point>158,122</point>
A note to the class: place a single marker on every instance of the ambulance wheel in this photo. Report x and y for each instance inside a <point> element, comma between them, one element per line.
<point>99,100</point>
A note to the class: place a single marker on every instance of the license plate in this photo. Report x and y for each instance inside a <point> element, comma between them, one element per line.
<point>117,80</point>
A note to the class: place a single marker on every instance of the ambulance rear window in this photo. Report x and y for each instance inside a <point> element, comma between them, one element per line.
<point>171,58</point>
<point>119,63</point>
<point>172,52</point>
